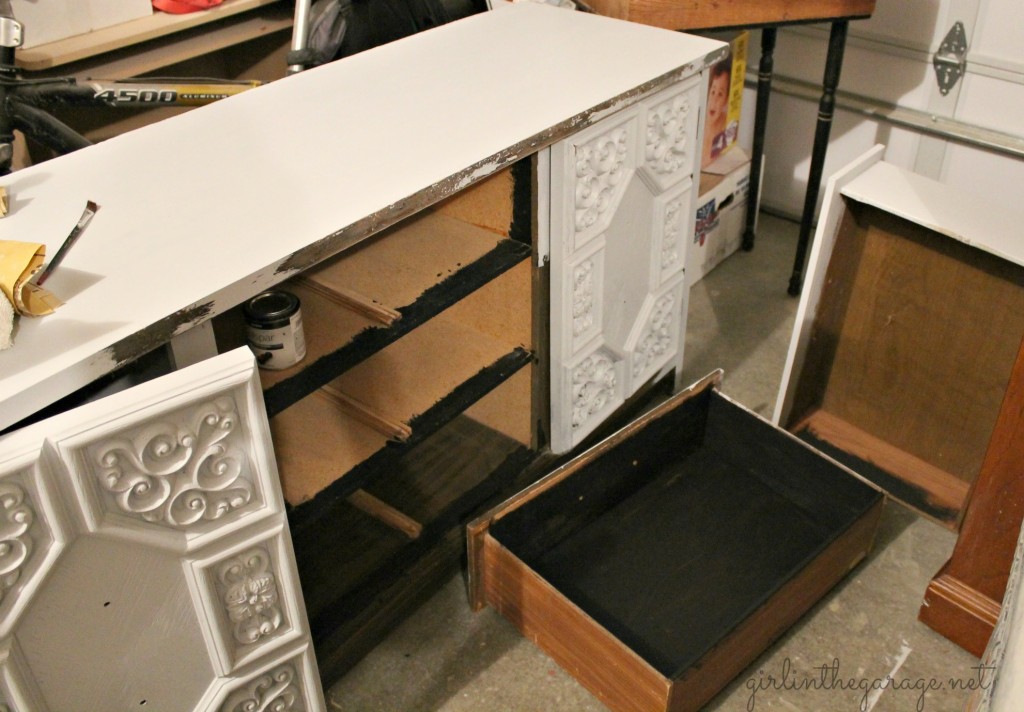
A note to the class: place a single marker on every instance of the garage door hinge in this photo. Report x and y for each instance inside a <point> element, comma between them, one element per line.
<point>950,61</point>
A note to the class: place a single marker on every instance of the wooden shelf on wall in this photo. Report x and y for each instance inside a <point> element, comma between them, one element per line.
<point>194,33</point>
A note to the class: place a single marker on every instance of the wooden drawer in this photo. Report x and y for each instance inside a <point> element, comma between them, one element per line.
<point>907,364</point>
<point>906,339</point>
<point>657,565</point>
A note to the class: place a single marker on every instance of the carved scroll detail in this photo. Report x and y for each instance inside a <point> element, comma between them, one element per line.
<point>657,340</point>
<point>16,517</point>
<point>179,473</point>
<point>582,297</point>
<point>600,170</point>
<point>250,595</point>
<point>668,142</point>
<point>275,691</point>
<point>670,235</point>
<point>593,385</point>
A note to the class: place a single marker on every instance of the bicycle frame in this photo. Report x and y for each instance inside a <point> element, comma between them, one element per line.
<point>25,103</point>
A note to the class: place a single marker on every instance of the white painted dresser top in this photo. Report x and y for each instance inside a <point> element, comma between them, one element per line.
<point>199,212</point>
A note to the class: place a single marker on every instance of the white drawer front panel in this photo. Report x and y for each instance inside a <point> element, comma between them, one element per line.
<point>146,557</point>
<point>621,218</point>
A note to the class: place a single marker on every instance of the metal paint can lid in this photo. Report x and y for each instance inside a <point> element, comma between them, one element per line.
<point>271,310</point>
<point>274,329</point>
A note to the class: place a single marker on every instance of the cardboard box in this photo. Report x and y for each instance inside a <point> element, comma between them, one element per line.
<point>725,97</point>
<point>55,20</point>
<point>721,213</point>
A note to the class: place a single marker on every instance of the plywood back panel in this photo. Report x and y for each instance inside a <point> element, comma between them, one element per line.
<point>924,332</point>
<point>501,310</point>
<point>488,204</point>
<point>507,408</point>
<point>392,269</point>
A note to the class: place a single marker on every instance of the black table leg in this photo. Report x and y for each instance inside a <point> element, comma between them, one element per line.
<point>764,90</point>
<point>826,108</point>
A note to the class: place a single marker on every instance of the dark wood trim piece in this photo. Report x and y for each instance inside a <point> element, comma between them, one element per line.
<point>523,192</point>
<point>505,255</point>
<point>939,496</point>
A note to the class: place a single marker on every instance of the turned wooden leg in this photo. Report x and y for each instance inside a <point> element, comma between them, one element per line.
<point>764,90</point>
<point>826,109</point>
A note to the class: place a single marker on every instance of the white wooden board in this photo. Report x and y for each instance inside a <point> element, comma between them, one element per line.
<point>821,253</point>
<point>974,218</point>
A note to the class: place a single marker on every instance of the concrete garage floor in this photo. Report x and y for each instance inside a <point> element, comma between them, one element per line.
<point>448,659</point>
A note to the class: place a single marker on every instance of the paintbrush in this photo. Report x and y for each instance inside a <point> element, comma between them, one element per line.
<point>69,242</point>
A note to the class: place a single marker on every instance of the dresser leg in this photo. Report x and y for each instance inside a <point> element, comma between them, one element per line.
<point>764,90</point>
<point>826,109</point>
<point>963,600</point>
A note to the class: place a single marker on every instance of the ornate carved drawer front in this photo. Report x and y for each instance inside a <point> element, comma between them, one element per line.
<point>146,560</point>
<point>621,217</point>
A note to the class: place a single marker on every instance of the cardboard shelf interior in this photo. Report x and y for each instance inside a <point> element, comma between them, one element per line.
<point>909,357</point>
<point>392,269</point>
<point>433,424</point>
<point>326,434</point>
<point>354,567</point>
<point>370,296</point>
<point>394,327</point>
<point>675,537</point>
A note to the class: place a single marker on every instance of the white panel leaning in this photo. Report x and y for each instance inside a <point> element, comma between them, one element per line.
<point>161,507</point>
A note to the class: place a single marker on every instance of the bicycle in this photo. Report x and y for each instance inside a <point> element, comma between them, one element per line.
<point>25,103</point>
<point>318,36</point>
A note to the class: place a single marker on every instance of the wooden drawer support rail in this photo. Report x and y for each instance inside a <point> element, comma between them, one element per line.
<point>423,425</point>
<point>349,615</point>
<point>505,255</point>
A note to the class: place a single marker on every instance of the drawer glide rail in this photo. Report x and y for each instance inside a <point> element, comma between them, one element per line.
<point>503,257</point>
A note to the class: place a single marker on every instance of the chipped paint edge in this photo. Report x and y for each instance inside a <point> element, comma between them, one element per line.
<point>160,332</point>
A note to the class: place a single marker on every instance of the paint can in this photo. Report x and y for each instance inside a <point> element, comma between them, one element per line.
<point>274,329</point>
